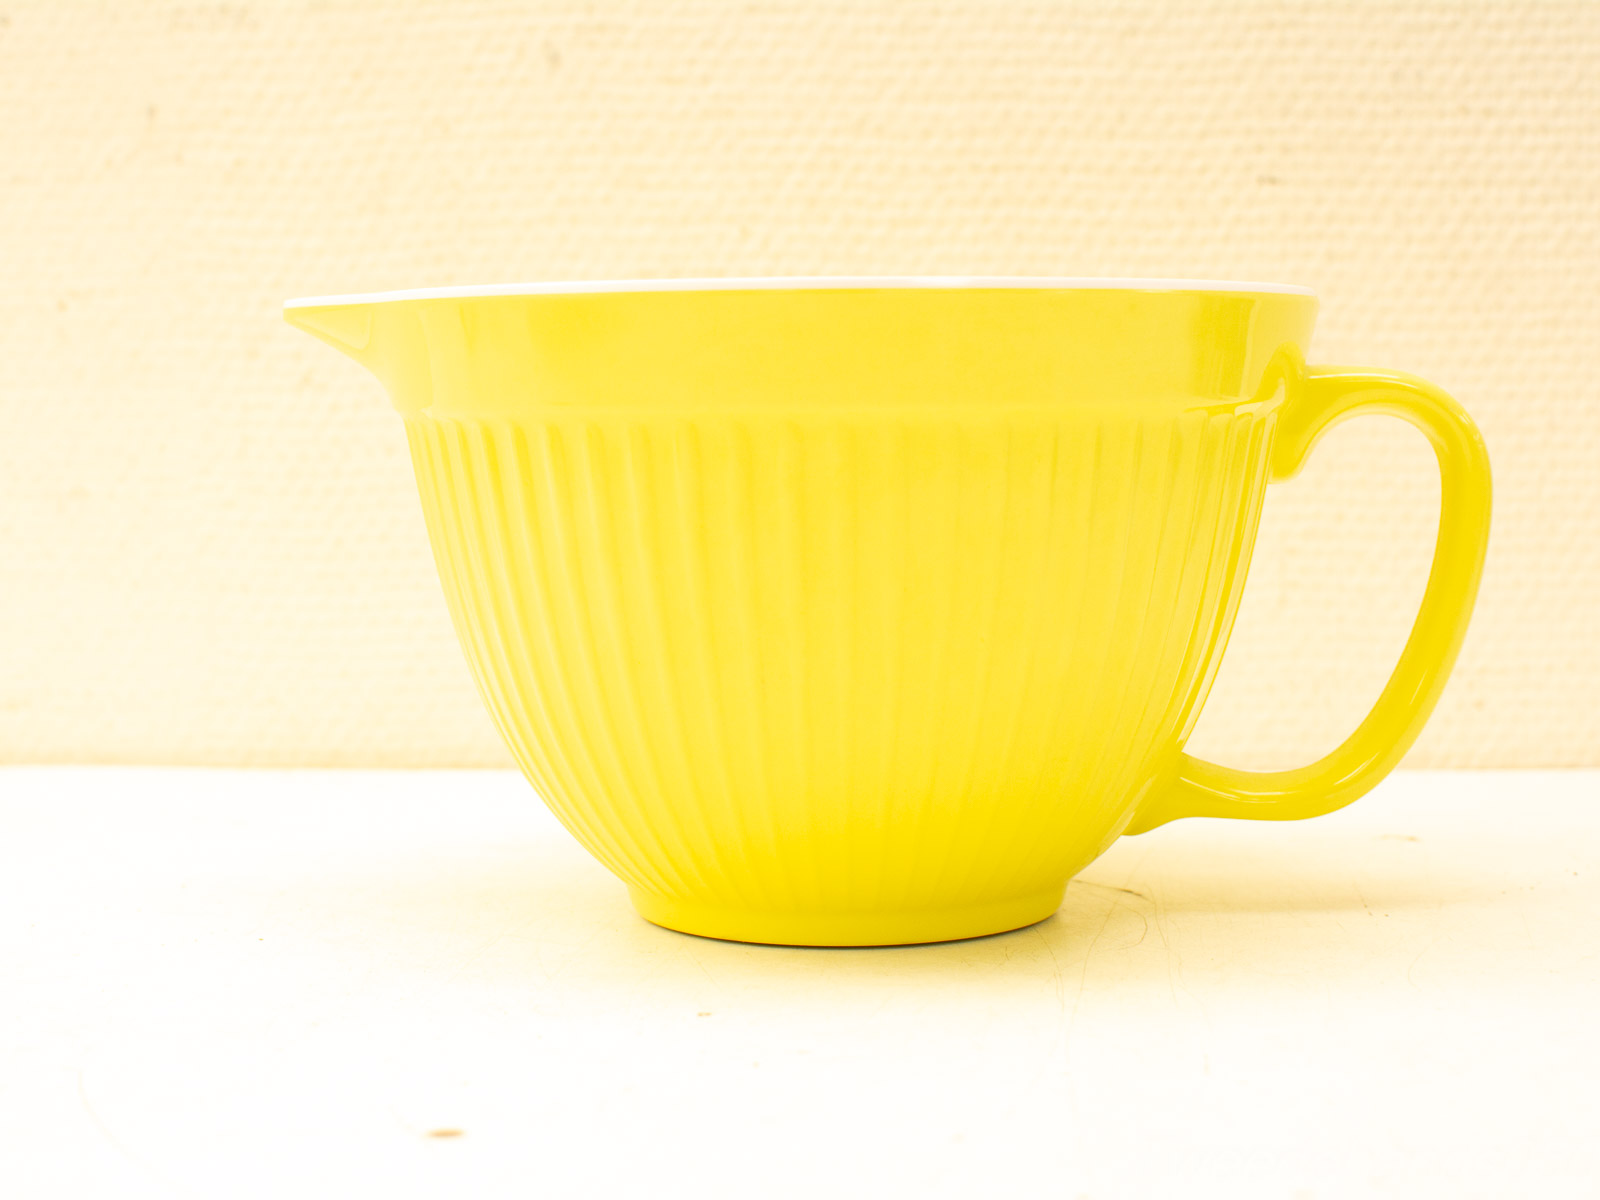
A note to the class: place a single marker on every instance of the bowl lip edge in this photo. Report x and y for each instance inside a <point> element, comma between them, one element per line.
<point>590,287</point>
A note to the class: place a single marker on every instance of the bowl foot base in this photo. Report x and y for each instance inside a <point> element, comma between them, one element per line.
<point>893,927</point>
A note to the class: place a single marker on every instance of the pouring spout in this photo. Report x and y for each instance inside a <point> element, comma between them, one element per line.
<point>346,327</point>
<point>386,339</point>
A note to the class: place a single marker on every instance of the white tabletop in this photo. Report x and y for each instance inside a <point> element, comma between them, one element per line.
<point>374,984</point>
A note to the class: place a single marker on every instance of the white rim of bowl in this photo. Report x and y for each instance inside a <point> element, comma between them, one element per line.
<point>588,287</point>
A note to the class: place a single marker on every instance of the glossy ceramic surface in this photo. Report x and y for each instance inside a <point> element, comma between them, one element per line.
<point>862,612</point>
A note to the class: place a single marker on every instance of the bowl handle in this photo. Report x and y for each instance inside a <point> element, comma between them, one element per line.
<point>1327,396</point>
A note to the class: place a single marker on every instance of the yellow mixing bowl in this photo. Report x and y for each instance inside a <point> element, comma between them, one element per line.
<point>845,612</point>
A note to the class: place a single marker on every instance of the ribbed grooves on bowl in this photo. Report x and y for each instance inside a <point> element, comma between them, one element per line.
<point>782,663</point>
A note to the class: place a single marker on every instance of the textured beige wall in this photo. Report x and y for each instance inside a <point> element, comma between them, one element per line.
<point>210,550</point>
